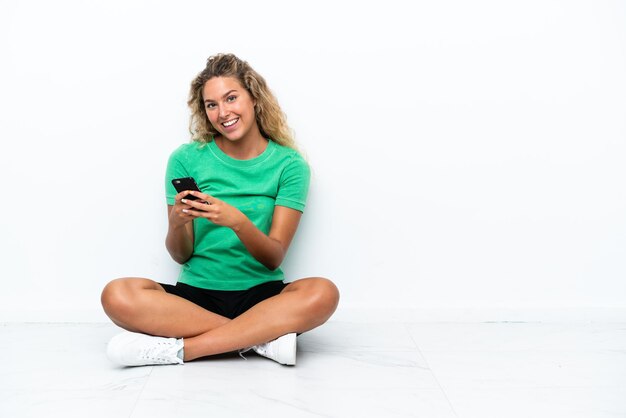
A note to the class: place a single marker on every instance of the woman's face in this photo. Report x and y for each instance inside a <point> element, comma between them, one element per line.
<point>230,108</point>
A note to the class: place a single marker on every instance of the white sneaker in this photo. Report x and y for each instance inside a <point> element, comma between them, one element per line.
<point>133,349</point>
<point>281,350</point>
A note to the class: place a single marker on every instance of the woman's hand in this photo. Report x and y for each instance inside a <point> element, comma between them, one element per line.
<point>215,210</point>
<point>268,249</point>
<point>177,215</point>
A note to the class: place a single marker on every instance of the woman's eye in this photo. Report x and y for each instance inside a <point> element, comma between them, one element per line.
<point>231,98</point>
<point>210,105</point>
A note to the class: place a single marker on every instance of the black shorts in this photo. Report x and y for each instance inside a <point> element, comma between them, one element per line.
<point>228,303</point>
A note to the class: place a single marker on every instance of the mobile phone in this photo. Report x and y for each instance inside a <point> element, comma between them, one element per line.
<point>186,183</point>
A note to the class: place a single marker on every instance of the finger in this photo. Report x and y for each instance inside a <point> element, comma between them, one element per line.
<point>202,196</point>
<point>196,213</point>
<point>184,213</point>
<point>197,204</point>
<point>181,195</point>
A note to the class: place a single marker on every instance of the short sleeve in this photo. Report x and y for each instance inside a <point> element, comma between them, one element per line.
<point>294,184</point>
<point>175,169</point>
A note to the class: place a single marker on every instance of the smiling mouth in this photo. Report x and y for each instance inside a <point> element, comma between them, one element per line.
<point>230,122</point>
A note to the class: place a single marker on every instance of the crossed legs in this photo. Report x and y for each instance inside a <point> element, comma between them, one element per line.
<point>142,305</point>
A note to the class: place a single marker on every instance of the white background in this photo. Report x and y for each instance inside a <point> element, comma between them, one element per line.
<point>464,154</point>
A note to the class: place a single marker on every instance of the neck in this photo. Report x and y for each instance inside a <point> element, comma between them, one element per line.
<point>243,149</point>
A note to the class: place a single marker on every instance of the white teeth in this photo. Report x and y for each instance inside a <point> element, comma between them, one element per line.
<point>230,122</point>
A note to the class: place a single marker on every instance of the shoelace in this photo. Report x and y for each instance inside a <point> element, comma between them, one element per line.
<point>156,352</point>
<point>244,350</point>
<point>260,349</point>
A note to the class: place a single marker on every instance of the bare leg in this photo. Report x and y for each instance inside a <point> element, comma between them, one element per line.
<point>142,305</point>
<point>301,306</point>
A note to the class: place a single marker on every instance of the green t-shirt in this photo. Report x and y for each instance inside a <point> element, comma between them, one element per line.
<point>279,176</point>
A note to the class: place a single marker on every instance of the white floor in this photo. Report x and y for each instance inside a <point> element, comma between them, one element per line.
<point>344,370</point>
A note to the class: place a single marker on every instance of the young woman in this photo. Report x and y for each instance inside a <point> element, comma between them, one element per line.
<point>230,238</point>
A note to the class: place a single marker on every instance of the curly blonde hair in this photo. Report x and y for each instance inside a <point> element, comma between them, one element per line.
<point>270,118</point>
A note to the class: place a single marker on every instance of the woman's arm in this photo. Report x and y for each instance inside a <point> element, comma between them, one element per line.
<point>269,250</point>
<point>179,240</point>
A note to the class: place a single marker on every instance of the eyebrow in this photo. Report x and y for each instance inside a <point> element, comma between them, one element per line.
<point>224,95</point>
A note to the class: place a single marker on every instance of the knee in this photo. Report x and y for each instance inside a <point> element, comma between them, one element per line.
<point>116,298</point>
<point>324,296</point>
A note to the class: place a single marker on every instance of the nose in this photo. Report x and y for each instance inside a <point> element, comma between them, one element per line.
<point>223,112</point>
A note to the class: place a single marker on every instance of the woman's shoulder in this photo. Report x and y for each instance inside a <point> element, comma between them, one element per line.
<point>289,154</point>
<point>292,163</point>
<point>187,149</point>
